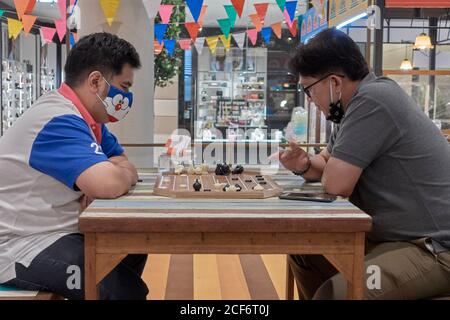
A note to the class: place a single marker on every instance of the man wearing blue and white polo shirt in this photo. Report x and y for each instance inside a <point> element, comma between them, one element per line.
<point>57,157</point>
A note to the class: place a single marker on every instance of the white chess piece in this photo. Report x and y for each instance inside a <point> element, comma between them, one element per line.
<point>258,187</point>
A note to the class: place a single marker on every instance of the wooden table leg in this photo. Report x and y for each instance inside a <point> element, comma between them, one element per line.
<point>90,254</point>
<point>357,287</point>
<point>289,281</point>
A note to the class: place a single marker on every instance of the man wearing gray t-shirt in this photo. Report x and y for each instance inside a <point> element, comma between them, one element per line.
<point>390,160</point>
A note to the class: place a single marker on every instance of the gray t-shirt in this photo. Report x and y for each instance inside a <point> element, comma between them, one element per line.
<point>405,184</point>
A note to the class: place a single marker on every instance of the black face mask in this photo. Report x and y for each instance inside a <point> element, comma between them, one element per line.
<point>336,111</point>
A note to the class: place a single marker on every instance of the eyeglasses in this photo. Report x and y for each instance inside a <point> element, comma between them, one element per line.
<point>307,90</point>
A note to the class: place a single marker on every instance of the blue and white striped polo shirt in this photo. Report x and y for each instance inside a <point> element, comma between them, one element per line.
<point>41,157</point>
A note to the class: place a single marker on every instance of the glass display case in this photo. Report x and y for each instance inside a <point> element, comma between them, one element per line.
<point>231,93</point>
<point>17,91</point>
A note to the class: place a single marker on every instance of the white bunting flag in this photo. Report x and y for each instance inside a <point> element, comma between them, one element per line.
<point>199,44</point>
<point>240,39</point>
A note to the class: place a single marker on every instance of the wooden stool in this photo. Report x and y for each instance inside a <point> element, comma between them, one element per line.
<point>10,293</point>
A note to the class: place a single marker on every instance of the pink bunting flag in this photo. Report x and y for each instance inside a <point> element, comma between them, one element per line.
<point>288,19</point>
<point>47,34</point>
<point>61,28</point>
<point>185,44</point>
<point>62,9</point>
<point>252,35</point>
<point>165,12</point>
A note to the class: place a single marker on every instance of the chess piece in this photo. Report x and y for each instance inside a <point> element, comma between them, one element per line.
<point>238,187</point>
<point>198,170</point>
<point>223,170</point>
<point>191,170</point>
<point>205,167</point>
<point>219,186</point>
<point>258,187</point>
<point>238,169</point>
<point>197,186</point>
<point>179,169</point>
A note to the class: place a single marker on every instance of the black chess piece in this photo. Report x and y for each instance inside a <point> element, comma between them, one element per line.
<point>223,170</point>
<point>238,187</point>
<point>238,169</point>
<point>197,186</point>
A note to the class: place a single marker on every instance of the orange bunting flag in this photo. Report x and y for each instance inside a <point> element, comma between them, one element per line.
<point>28,22</point>
<point>256,21</point>
<point>261,8</point>
<point>276,27</point>
<point>192,28</point>
<point>202,16</point>
<point>158,47</point>
<point>21,7</point>
<point>239,6</point>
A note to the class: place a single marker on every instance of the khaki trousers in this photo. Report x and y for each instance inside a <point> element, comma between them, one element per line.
<point>394,270</point>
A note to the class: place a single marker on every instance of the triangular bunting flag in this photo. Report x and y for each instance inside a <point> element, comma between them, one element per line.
<point>276,27</point>
<point>232,14</point>
<point>291,6</point>
<point>195,6</point>
<point>47,34</point>
<point>212,43</point>
<point>151,6</point>
<point>165,12</point>
<point>14,28</point>
<point>192,28</point>
<point>170,46</point>
<point>261,9</point>
<point>2,12</point>
<point>62,6</point>
<point>160,31</point>
<point>61,28</point>
<point>293,29</point>
<point>240,39</point>
<point>266,33</point>
<point>252,35</point>
<point>226,41</point>
<point>110,8</point>
<point>28,22</point>
<point>239,6</point>
<point>256,21</point>
<point>21,7</point>
<point>288,18</point>
<point>202,15</point>
<point>30,7</point>
<point>158,47</point>
<point>199,44</point>
<point>281,4</point>
<point>225,26</point>
<point>185,44</point>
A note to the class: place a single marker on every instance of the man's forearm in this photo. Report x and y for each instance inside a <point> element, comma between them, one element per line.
<point>318,163</point>
<point>122,162</point>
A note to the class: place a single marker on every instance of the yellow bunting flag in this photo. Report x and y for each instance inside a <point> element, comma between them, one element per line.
<point>110,8</point>
<point>14,28</point>
<point>226,41</point>
<point>212,43</point>
<point>28,22</point>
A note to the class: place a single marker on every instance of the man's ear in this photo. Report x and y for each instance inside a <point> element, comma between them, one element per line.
<point>94,81</point>
<point>337,82</point>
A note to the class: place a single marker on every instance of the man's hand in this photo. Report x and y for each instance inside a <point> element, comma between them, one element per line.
<point>295,158</point>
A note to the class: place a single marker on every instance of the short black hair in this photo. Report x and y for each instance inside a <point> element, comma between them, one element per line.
<point>104,52</point>
<point>330,51</point>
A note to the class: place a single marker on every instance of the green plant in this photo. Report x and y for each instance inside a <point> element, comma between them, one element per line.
<point>167,67</point>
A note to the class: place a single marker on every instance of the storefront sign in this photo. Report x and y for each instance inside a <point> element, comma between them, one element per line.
<point>418,3</point>
<point>313,22</point>
<point>343,10</point>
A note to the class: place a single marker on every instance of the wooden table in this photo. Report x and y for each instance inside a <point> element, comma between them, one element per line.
<point>142,223</point>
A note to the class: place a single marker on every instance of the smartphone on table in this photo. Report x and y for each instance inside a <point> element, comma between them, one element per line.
<point>308,196</point>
